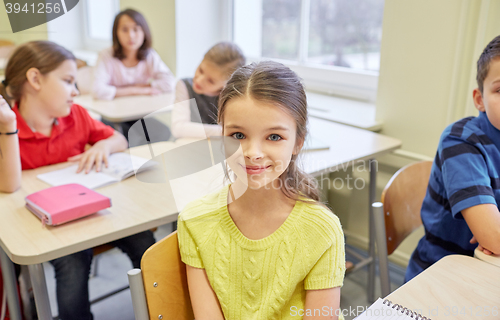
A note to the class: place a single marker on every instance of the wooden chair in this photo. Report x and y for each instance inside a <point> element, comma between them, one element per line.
<point>159,289</point>
<point>80,63</point>
<point>7,47</point>
<point>398,214</point>
<point>6,43</point>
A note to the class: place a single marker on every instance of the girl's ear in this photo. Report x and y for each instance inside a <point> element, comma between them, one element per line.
<point>298,146</point>
<point>33,76</point>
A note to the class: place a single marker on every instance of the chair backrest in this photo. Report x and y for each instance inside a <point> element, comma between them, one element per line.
<point>402,198</point>
<point>6,49</point>
<point>6,43</point>
<point>165,281</point>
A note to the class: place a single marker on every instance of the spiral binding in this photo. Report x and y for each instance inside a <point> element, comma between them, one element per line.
<point>405,310</point>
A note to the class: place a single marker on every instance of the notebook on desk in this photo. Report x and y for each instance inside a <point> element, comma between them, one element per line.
<point>383,309</point>
<point>120,166</point>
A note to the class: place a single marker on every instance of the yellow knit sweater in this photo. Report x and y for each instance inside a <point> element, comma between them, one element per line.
<point>267,278</point>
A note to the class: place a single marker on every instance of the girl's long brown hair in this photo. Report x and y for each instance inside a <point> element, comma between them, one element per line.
<point>272,82</point>
<point>45,56</point>
<point>138,18</point>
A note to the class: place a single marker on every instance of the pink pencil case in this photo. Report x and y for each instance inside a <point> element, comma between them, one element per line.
<point>60,204</point>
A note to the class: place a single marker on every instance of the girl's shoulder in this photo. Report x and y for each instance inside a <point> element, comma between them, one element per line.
<point>106,54</point>
<point>152,56</point>
<point>318,218</point>
<point>209,205</point>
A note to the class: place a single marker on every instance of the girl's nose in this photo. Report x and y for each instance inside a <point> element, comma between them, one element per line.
<point>253,151</point>
<point>201,79</point>
<point>75,91</point>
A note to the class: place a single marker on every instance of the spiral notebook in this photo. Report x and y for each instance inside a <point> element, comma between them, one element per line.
<point>386,310</point>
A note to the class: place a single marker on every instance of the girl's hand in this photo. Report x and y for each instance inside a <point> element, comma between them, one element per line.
<point>148,90</point>
<point>7,117</point>
<point>479,246</point>
<point>154,91</point>
<point>97,154</point>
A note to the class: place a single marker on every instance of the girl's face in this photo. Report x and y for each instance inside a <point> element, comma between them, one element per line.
<point>58,88</point>
<point>268,140</point>
<point>130,34</point>
<point>209,79</point>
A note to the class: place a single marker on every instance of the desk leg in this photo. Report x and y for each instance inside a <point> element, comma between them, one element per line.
<point>40,291</point>
<point>118,127</point>
<point>371,243</point>
<point>9,281</point>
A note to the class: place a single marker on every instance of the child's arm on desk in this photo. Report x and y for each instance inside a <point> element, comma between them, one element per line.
<point>136,91</point>
<point>326,300</point>
<point>203,298</point>
<point>100,152</point>
<point>10,160</point>
<point>484,222</point>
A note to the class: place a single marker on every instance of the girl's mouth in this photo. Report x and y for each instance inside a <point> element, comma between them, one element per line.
<point>255,169</point>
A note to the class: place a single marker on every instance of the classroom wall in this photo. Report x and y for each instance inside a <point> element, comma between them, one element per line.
<point>198,30</point>
<point>67,30</point>
<point>36,33</point>
<point>428,55</point>
<point>161,19</point>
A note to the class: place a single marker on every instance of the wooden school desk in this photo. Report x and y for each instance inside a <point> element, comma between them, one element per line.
<point>136,207</point>
<point>493,259</point>
<point>139,206</point>
<point>455,287</point>
<point>126,108</point>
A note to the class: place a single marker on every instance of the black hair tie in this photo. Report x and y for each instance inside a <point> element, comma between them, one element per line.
<point>5,83</point>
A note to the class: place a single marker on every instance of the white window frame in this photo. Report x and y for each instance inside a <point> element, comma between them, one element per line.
<point>346,82</point>
<point>90,43</point>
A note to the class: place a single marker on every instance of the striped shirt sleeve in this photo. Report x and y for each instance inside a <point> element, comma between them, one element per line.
<point>465,174</point>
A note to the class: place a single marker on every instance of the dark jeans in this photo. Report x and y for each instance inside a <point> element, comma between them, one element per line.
<point>72,275</point>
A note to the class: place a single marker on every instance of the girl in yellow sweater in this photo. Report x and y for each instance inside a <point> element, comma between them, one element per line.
<point>263,247</point>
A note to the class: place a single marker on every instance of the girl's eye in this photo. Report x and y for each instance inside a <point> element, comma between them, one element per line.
<point>275,137</point>
<point>238,135</point>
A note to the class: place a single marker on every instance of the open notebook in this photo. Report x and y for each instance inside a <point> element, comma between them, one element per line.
<point>386,310</point>
<point>121,166</point>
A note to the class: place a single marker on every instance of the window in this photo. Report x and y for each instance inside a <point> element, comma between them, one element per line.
<point>98,21</point>
<point>334,45</point>
<point>346,33</point>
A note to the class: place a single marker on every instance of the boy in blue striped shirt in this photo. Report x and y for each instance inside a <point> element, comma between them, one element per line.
<point>460,208</point>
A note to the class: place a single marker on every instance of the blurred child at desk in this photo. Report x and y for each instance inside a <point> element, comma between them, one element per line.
<point>45,127</point>
<point>131,67</point>
<point>460,208</point>
<point>199,119</point>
